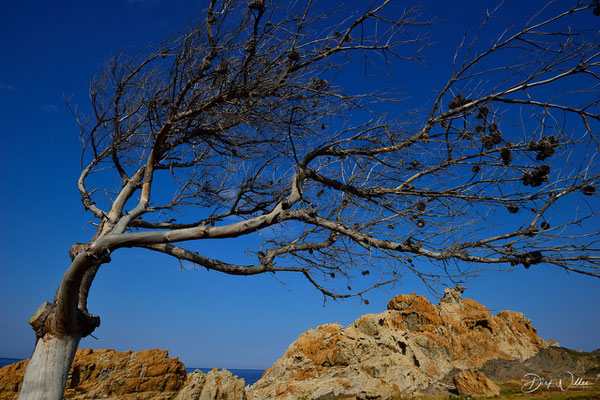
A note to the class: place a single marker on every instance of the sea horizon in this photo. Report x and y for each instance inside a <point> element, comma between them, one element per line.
<point>250,376</point>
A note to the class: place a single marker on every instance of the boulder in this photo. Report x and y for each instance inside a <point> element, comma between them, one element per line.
<point>215,385</point>
<point>475,383</point>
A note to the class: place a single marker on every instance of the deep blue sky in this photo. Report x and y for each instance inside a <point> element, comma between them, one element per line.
<point>51,49</point>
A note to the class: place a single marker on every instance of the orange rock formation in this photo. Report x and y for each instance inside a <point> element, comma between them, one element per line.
<point>411,347</point>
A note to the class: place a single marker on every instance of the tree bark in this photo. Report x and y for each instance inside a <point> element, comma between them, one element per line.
<point>48,369</point>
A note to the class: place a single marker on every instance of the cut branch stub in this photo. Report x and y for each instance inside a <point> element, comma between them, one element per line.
<point>43,321</point>
<point>39,317</point>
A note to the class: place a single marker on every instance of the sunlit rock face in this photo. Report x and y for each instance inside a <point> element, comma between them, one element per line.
<point>110,374</point>
<point>147,374</point>
<point>412,347</point>
<point>214,385</point>
<point>141,375</point>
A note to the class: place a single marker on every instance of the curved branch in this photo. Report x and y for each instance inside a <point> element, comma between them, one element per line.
<point>217,265</point>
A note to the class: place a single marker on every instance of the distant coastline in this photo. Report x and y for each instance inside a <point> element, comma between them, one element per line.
<point>8,361</point>
<point>249,375</point>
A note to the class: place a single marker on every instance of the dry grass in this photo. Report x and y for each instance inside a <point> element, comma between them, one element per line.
<point>512,390</point>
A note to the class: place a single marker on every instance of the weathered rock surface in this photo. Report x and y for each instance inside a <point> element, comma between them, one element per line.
<point>215,385</point>
<point>413,347</point>
<point>11,377</point>
<point>147,374</point>
<point>142,375</point>
<point>475,383</point>
<point>109,374</point>
<point>409,348</point>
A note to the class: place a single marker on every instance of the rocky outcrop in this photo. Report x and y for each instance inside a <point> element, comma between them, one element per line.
<point>110,374</point>
<point>409,348</point>
<point>216,385</point>
<point>412,347</point>
<point>331,361</point>
<point>141,375</point>
<point>475,383</point>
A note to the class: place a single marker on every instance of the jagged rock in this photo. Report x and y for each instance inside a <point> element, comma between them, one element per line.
<point>146,374</point>
<point>475,383</point>
<point>412,347</point>
<point>216,385</point>
<point>407,349</point>
<point>451,303</point>
<point>110,374</point>
<point>322,363</point>
<point>141,375</point>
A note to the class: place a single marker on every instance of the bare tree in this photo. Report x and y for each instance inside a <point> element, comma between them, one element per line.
<point>238,126</point>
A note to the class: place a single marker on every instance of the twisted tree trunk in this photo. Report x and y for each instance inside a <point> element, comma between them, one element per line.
<point>60,325</point>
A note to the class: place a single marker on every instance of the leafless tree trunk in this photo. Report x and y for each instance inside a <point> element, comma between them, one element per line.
<point>240,123</point>
<point>48,369</point>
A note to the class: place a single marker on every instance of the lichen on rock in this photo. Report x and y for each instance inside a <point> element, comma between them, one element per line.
<point>409,348</point>
<point>110,374</point>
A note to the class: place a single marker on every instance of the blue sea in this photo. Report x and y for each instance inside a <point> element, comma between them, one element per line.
<point>6,361</point>
<point>249,375</point>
